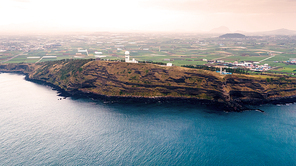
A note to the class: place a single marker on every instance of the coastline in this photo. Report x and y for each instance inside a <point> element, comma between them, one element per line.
<point>230,106</point>
<point>130,99</point>
<point>234,105</point>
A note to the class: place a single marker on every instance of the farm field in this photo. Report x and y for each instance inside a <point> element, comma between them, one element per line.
<point>178,49</point>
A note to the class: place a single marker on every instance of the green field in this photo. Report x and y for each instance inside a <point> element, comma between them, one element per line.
<point>178,49</point>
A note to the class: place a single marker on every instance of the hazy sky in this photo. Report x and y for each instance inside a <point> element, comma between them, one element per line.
<point>148,15</point>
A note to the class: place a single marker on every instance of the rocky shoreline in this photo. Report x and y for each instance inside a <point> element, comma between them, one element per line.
<point>131,99</point>
<point>232,106</point>
<point>235,100</point>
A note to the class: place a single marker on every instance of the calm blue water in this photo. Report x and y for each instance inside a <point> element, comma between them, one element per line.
<point>36,128</point>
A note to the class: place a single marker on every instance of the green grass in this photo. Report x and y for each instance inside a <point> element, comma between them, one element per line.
<point>287,69</point>
<point>180,49</point>
<point>180,63</point>
<point>245,58</point>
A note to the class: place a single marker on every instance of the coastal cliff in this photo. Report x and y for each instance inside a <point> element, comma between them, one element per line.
<point>118,80</point>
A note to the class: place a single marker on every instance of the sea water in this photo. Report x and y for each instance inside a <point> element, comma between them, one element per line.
<point>38,127</point>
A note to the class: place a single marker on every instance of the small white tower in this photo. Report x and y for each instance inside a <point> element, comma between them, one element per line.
<point>127,57</point>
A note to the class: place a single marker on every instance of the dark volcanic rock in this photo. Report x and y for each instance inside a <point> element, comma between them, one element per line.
<point>123,82</point>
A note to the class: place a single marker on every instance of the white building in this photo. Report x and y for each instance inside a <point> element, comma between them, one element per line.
<point>127,58</point>
<point>169,64</point>
<point>80,51</point>
<point>33,57</point>
<point>49,57</point>
<point>98,53</point>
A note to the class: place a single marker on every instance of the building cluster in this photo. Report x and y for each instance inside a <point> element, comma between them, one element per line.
<point>28,44</point>
<point>254,66</point>
<point>292,61</point>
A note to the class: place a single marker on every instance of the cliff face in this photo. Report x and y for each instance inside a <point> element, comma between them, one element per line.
<point>17,67</point>
<point>261,87</point>
<point>148,80</point>
<point>128,79</point>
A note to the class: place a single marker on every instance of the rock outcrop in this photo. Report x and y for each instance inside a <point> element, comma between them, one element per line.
<point>150,83</point>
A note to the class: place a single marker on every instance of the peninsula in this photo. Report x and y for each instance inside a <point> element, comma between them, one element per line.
<point>141,81</point>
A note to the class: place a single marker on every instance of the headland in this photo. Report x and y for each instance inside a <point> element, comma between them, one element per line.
<point>139,82</point>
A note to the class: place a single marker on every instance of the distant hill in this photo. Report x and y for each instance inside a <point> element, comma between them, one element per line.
<point>232,35</point>
<point>282,31</point>
<point>220,30</point>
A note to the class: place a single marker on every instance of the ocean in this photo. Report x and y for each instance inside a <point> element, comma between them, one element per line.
<point>38,127</point>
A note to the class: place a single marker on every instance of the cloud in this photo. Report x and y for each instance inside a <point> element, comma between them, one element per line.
<point>21,1</point>
<point>191,15</point>
<point>226,6</point>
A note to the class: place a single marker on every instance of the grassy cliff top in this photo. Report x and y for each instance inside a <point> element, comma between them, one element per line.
<point>150,80</point>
